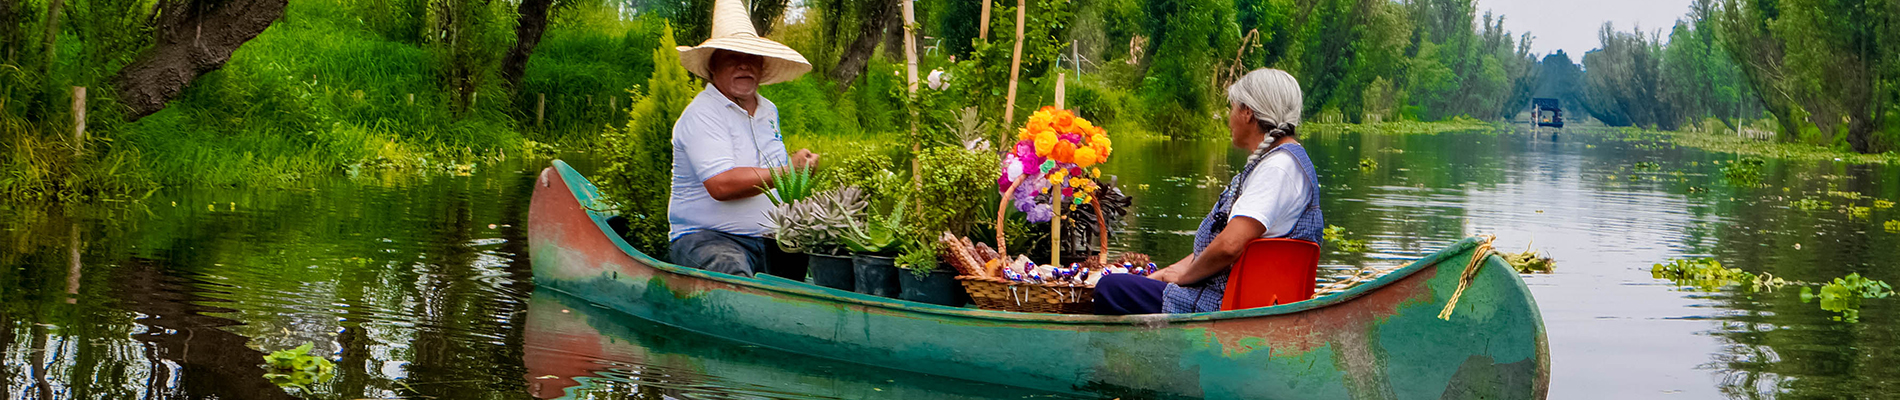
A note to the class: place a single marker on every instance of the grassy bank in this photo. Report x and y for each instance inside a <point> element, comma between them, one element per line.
<point>1734,144</point>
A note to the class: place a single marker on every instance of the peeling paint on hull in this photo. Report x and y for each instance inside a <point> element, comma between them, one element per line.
<point>1382,340</point>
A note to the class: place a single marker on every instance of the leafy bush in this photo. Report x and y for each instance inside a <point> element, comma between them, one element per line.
<point>956,182</point>
<point>637,176</point>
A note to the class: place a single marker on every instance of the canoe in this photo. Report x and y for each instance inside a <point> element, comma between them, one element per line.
<point>1380,340</point>
<point>572,349</point>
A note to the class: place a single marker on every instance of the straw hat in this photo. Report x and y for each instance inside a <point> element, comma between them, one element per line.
<point>732,30</point>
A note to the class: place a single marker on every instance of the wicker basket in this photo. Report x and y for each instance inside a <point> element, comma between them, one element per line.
<point>996,293</point>
<point>1005,295</point>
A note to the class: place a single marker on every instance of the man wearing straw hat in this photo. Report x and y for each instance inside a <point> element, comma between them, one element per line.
<point>725,144</point>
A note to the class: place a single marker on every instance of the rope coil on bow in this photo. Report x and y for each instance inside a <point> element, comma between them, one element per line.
<point>1471,270</point>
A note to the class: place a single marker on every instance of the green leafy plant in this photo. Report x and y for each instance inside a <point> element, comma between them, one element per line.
<point>1705,274</point>
<point>918,258</point>
<point>877,234</point>
<point>1892,226</point>
<point>1843,295</point>
<point>1745,171</point>
<point>296,368</point>
<point>1368,164</point>
<point>1646,166</point>
<point>1882,204</point>
<point>1336,236</point>
<point>1810,204</point>
<point>791,183</point>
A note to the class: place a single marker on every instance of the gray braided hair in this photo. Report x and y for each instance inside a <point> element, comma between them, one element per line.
<point>1275,98</point>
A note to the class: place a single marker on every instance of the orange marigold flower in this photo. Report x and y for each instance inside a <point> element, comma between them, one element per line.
<point>1064,152</point>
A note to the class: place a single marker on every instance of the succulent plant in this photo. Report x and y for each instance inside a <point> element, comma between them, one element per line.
<point>818,223</point>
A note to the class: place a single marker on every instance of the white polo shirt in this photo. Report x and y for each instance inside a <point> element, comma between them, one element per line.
<point>1275,195</point>
<point>715,135</point>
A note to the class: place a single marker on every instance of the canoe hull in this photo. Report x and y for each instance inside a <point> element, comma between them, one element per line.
<point>1382,340</point>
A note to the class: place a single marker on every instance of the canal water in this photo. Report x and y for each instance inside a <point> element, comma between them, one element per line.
<point>419,286</point>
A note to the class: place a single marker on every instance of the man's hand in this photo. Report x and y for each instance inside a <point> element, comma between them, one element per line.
<point>804,159</point>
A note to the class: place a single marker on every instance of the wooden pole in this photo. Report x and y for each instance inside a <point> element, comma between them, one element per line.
<point>613,103</point>
<point>910,61</point>
<point>983,23</point>
<point>79,119</point>
<point>412,99</point>
<point>1015,66</point>
<point>1060,78</point>
<point>540,108</point>
<point>72,270</point>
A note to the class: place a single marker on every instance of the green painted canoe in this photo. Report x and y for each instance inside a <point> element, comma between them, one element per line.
<point>1381,340</point>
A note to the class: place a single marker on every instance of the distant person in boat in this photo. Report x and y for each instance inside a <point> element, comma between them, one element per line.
<point>1275,195</point>
<point>725,144</point>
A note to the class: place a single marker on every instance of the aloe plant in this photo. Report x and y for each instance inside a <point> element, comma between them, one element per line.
<point>792,184</point>
<point>877,234</point>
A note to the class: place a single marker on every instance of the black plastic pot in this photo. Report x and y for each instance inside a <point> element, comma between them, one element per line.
<point>831,271</point>
<point>940,287</point>
<point>785,265</point>
<point>876,276</point>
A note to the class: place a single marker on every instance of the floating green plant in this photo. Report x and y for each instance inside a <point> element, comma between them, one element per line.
<point>296,368</point>
<point>1858,212</point>
<point>1530,261</point>
<point>1850,195</point>
<point>1705,274</point>
<point>1336,236</point>
<point>1882,204</point>
<point>1368,164</point>
<point>1646,166</point>
<point>1810,204</point>
<point>1892,226</point>
<point>1843,295</point>
<point>1745,171</point>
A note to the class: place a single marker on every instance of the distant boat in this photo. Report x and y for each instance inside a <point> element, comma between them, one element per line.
<point>1547,112</point>
<point>1382,339</point>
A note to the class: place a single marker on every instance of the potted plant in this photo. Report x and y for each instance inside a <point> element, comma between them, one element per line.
<point>925,280</point>
<point>789,184</point>
<point>871,241</point>
<point>816,226</point>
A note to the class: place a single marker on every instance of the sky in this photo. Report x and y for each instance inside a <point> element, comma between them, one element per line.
<point>1572,25</point>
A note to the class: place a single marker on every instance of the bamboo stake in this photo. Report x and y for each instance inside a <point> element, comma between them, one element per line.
<point>1015,66</point>
<point>983,24</point>
<point>412,99</point>
<point>79,119</point>
<point>1060,78</point>
<point>910,61</point>
<point>540,108</point>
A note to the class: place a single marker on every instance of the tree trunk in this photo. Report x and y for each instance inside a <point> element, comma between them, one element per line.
<point>194,37</point>
<point>9,30</point>
<point>49,46</point>
<point>528,30</point>
<point>875,21</point>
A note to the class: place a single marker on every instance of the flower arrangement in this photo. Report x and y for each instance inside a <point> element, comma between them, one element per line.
<point>1054,161</point>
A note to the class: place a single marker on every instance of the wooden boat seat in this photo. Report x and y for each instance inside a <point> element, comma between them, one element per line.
<point>1272,272</point>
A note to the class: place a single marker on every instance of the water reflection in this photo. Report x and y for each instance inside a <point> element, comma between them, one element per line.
<point>419,286</point>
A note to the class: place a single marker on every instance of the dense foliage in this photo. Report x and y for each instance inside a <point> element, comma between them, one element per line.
<point>1817,69</point>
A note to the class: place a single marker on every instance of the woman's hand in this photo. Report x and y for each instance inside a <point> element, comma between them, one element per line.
<point>1172,273</point>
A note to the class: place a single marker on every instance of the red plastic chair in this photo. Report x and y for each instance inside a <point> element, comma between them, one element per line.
<point>1272,272</point>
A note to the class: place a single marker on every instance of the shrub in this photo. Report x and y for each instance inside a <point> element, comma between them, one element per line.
<point>637,178</point>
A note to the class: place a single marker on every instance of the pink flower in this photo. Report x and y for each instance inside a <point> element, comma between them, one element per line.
<point>1075,138</point>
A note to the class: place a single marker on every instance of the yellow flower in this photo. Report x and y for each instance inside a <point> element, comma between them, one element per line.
<point>1045,143</point>
<point>1083,125</point>
<point>1023,134</point>
<point>1086,157</point>
<point>1095,172</point>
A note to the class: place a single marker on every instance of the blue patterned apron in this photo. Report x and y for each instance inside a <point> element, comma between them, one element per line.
<point>1206,295</point>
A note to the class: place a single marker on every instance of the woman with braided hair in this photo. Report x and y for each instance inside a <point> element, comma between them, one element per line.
<point>1275,195</point>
